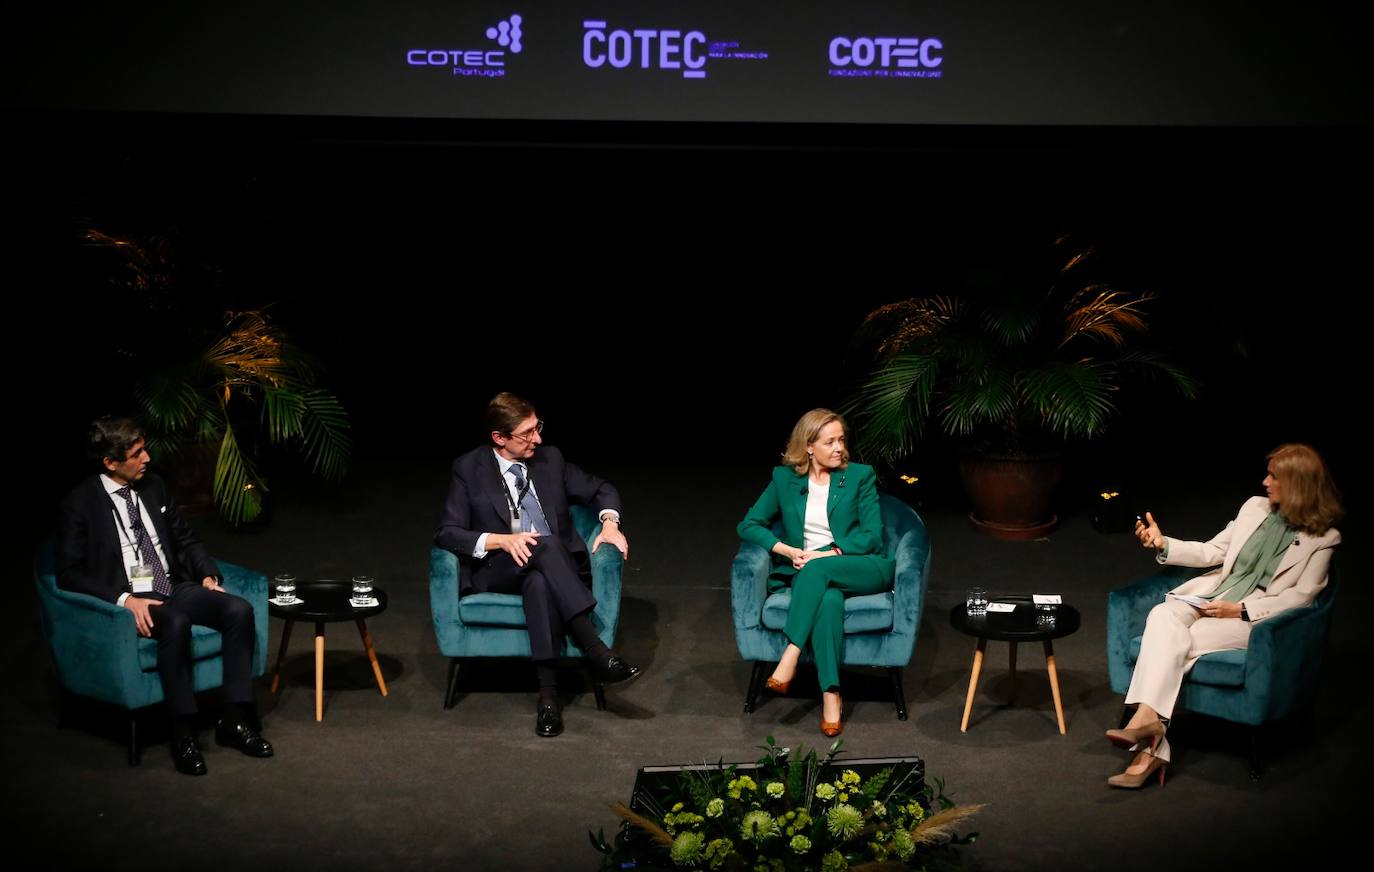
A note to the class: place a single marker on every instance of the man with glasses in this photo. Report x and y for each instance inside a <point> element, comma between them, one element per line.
<point>507,519</point>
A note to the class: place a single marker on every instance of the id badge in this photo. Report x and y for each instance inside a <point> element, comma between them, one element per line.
<point>141,577</point>
<point>515,526</point>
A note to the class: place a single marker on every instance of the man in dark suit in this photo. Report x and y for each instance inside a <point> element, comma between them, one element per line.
<point>120,538</point>
<point>507,520</point>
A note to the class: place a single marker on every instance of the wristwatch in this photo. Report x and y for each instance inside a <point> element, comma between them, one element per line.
<point>1244,615</point>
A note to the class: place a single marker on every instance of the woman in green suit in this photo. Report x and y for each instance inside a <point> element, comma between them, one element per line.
<point>831,547</point>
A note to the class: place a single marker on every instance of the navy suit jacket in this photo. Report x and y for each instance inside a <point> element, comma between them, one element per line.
<point>477,503</point>
<point>89,559</point>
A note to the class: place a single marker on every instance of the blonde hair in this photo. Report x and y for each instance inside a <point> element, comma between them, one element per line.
<point>1309,498</point>
<point>808,429</point>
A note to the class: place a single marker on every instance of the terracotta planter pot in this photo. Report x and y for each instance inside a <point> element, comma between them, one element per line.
<point>1013,497</point>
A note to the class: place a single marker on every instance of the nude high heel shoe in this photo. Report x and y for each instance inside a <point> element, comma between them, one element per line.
<point>1135,782</point>
<point>1145,735</point>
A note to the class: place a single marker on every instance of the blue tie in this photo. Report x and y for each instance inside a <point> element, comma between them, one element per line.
<point>531,515</point>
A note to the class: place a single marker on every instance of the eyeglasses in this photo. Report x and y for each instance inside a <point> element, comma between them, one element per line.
<point>530,433</point>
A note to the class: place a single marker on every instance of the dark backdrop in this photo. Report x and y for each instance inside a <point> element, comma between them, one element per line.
<point>677,296</point>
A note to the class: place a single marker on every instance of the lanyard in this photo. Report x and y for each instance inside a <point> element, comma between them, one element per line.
<point>515,504</point>
<point>133,544</point>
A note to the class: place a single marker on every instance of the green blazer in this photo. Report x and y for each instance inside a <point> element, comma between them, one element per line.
<point>855,520</point>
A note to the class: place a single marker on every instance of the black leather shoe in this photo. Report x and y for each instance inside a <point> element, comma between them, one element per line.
<point>617,670</point>
<point>242,737</point>
<point>186,756</point>
<point>549,722</point>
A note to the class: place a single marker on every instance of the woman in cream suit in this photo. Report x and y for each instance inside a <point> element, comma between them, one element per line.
<point>1272,557</point>
<point>831,547</point>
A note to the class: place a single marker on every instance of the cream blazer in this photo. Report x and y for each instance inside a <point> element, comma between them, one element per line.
<point>1300,577</point>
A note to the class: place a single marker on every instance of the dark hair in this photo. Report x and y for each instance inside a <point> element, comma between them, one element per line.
<point>505,412</point>
<point>111,437</point>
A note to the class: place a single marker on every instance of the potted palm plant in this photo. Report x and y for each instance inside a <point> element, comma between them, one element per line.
<point>1013,376</point>
<point>220,387</point>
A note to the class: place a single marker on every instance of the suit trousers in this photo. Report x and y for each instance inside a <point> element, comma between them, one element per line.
<point>816,614</point>
<point>552,590</point>
<point>1176,635</point>
<point>190,603</point>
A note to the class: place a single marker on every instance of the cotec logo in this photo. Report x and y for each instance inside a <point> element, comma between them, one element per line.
<point>485,63</point>
<point>886,52</point>
<point>660,49</point>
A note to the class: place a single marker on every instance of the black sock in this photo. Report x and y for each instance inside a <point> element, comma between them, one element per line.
<point>547,671</point>
<point>181,728</point>
<point>584,634</point>
<point>231,715</point>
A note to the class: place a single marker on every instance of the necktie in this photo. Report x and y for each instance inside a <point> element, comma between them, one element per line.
<point>144,544</point>
<point>531,515</point>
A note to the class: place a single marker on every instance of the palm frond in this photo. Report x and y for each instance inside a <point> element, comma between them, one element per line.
<point>1153,367</point>
<point>971,402</point>
<point>1073,399</point>
<point>326,433</point>
<point>890,406</point>
<point>898,325</point>
<point>1096,311</point>
<point>238,490</point>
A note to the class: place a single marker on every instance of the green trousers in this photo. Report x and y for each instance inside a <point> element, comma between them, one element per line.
<point>817,611</point>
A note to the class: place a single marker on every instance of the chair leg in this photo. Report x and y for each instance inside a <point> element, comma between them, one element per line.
<point>450,696</point>
<point>1256,758</point>
<point>898,695</point>
<point>751,696</point>
<point>1125,717</point>
<point>135,753</point>
<point>599,691</point>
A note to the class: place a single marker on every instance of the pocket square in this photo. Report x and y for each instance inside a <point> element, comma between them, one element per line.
<point>162,510</point>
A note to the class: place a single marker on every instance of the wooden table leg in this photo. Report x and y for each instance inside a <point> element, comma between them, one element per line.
<point>319,671</point>
<point>1054,685</point>
<point>1012,657</point>
<point>973,681</point>
<point>281,654</point>
<point>372,655</point>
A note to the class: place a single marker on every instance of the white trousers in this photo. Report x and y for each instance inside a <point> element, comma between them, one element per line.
<point>1176,635</point>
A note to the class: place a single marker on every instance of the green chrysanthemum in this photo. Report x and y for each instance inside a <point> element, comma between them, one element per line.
<point>757,826</point>
<point>844,821</point>
<point>850,778</point>
<point>834,862</point>
<point>718,852</point>
<point>903,845</point>
<point>776,789</point>
<point>825,792</point>
<point>715,808</point>
<point>800,844</point>
<point>686,849</point>
<point>741,784</point>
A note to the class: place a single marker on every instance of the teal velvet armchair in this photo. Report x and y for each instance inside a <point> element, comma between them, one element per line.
<point>1277,675</point>
<point>493,624</point>
<point>879,629</point>
<point>98,653</point>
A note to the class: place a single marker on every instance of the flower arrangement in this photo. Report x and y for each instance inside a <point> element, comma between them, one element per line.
<point>791,811</point>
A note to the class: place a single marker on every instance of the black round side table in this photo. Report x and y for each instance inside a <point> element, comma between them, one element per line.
<point>326,602</point>
<point>1014,627</point>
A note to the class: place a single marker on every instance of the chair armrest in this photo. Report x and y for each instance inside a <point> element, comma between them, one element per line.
<point>749,585</point>
<point>912,559</point>
<point>1127,608</point>
<point>94,644</point>
<point>443,590</point>
<point>251,585</point>
<point>1283,661</point>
